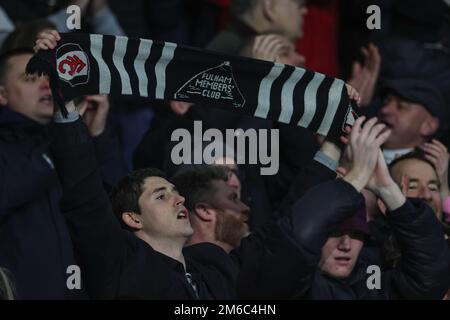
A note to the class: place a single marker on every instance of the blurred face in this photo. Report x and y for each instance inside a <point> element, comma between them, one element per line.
<point>405,120</point>
<point>232,214</point>
<point>29,95</point>
<point>288,16</point>
<point>340,253</point>
<point>423,182</point>
<point>232,169</point>
<point>163,214</point>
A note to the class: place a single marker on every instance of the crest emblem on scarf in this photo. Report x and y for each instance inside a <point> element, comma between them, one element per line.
<point>216,83</point>
<point>72,64</point>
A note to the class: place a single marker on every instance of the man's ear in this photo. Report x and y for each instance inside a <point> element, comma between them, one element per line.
<point>429,126</point>
<point>132,220</point>
<point>204,211</point>
<point>268,8</point>
<point>3,96</point>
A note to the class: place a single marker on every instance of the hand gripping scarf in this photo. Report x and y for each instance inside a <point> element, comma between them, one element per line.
<point>85,64</point>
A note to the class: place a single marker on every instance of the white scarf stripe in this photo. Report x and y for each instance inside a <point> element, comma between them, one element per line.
<point>310,100</point>
<point>120,48</point>
<point>103,70</point>
<point>334,99</point>
<point>264,90</point>
<point>160,69</point>
<point>145,47</point>
<point>287,95</point>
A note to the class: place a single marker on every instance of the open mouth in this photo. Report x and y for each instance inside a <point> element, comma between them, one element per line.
<point>183,214</point>
<point>342,260</point>
<point>46,99</point>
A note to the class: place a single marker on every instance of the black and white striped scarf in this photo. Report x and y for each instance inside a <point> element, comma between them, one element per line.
<point>90,64</point>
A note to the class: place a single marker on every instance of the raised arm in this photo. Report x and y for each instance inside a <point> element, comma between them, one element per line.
<point>283,256</point>
<point>99,242</point>
<point>424,268</point>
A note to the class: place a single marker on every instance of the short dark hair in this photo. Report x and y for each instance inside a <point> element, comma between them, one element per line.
<point>125,196</point>
<point>417,154</point>
<point>240,7</point>
<point>4,59</point>
<point>196,185</point>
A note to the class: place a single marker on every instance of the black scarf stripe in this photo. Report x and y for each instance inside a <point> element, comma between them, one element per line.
<point>287,96</point>
<point>299,99</point>
<point>104,73</point>
<point>276,105</point>
<point>321,97</point>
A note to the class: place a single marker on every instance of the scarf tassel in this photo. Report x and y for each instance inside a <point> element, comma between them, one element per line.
<point>39,66</point>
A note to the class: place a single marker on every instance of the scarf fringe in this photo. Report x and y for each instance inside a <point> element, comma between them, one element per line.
<point>39,66</point>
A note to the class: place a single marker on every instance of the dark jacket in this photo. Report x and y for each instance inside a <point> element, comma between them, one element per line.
<point>424,267</point>
<point>297,145</point>
<point>34,240</point>
<point>117,264</point>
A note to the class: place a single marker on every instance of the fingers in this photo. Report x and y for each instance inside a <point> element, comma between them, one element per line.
<point>353,94</point>
<point>439,144</point>
<point>382,138</point>
<point>356,69</point>
<point>43,44</point>
<point>376,129</point>
<point>341,171</point>
<point>257,42</point>
<point>357,128</point>
<point>82,107</point>
<point>344,139</point>
<point>404,184</point>
<point>372,58</point>
<point>435,146</point>
<point>269,47</point>
<point>374,61</point>
<point>371,131</point>
<point>432,159</point>
<point>97,97</point>
<point>367,128</point>
<point>436,150</point>
<point>47,39</point>
<point>432,150</point>
<point>55,34</point>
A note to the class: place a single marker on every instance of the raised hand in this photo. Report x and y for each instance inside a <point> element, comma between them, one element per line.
<point>94,111</point>
<point>365,76</point>
<point>438,155</point>
<point>364,146</point>
<point>353,94</point>
<point>47,40</point>
<point>381,178</point>
<point>269,47</point>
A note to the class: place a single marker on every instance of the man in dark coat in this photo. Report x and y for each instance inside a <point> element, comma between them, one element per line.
<point>330,238</point>
<point>150,262</point>
<point>35,245</point>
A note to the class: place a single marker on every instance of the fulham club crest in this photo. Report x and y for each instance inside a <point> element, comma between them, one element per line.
<point>72,64</point>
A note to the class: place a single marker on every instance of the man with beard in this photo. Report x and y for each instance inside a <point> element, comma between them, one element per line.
<point>217,214</point>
